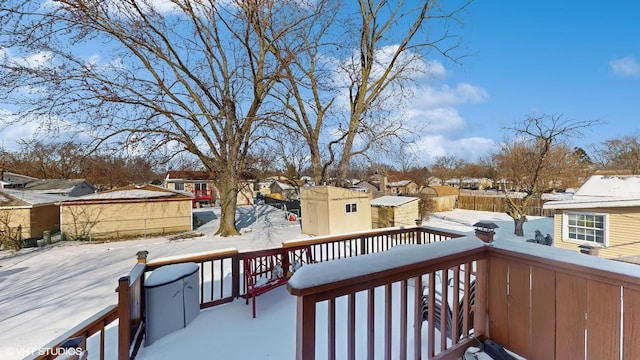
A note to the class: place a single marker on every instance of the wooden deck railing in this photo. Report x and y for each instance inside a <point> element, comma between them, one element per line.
<point>221,280</point>
<point>95,325</point>
<point>539,302</point>
<point>546,303</point>
<point>378,285</point>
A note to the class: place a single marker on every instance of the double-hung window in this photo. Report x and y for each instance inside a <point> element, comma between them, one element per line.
<point>350,208</point>
<point>585,227</point>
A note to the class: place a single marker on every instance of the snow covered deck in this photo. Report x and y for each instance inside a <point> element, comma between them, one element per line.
<point>539,301</point>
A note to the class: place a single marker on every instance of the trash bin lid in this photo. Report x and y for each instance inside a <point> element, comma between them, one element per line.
<point>170,273</point>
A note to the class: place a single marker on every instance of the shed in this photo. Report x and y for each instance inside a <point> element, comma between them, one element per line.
<point>130,211</point>
<point>444,197</point>
<point>28,214</point>
<point>334,210</point>
<point>391,210</point>
<point>603,214</point>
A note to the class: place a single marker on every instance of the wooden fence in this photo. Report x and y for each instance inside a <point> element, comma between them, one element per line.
<point>498,203</point>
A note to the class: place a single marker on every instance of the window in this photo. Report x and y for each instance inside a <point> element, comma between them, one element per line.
<point>587,227</point>
<point>179,186</point>
<point>201,186</point>
<point>351,208</point>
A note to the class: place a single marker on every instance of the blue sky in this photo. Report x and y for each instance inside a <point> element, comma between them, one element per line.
<point>577,59</point>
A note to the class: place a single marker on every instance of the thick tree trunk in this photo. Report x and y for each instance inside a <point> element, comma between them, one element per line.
<point>227,185</point>
<point>519,225</point>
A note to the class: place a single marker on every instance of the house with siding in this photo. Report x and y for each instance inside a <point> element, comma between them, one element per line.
<point>402,187</point>
<point>602,217</point>
<point>199,183</point>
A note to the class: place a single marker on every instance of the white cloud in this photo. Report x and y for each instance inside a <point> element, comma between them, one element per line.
<point>469,149</point>
<point>625,67</point>
<point>438,120</point>
<point>12,131</point>
<point>429,96</point>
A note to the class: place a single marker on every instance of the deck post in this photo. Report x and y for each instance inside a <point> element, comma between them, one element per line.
<point>124,316</point>
<point>480,325</point>
<point>306,328</point>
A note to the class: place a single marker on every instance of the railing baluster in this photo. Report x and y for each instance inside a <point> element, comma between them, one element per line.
<point>403,319</point>
<point>431,336</point>
<point>371,307</point>
<point>388,318</point>
<point>444,308</point>
<point>331,336</point>
<point>417,317</point>
<point>351,326</point>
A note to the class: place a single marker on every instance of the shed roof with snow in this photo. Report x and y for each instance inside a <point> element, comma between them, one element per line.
<point>393,201</point>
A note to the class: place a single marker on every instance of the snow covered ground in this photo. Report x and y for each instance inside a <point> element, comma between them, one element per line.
<point>45,292</point>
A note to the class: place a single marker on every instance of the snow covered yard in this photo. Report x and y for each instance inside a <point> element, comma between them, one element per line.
<point>47,291</point>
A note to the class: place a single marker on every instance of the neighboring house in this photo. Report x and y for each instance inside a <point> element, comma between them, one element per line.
<point>201,185</point>
<point>390,210</point>
<point>603,214</point>
<point>9,180</point>
<point>444,197</point>
<point>126,212</point>
<point>64,187</point>
<point>402,187</point>
<point>284,191</point>
<point>367,185</point>
<point>198,183</point>
<point>434,181</point>
<point>29,214</point>
<point>334,210</point>
<point>477,183</point>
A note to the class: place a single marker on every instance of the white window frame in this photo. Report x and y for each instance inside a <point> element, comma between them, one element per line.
<point>178,186</point>
<point>565,228</point>
<point>351,208</point>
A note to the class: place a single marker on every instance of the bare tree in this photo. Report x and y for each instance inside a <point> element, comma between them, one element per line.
<point>619,154</point>
<point>10,229</point>
<point>531,159</point>
<point>190,75</point>
<point>449,167</point>
<point>353,74</point>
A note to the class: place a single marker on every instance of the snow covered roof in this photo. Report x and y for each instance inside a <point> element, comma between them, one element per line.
<point>126,194</point>
<point>283,186</point>
<point>12,197</point>
<point>392,201</point>
<point>133,193</point>
<point>55,185</point>
<point>603,191</point>
<point>399,183</point>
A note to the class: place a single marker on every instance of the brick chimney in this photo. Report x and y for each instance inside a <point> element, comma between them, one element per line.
<point>485,230</point>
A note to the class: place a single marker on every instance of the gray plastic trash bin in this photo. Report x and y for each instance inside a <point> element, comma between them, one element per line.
<point>172,300</point>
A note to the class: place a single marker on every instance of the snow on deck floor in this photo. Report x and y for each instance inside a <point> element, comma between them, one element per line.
<point>45,292</point>
<point>229,332</point>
